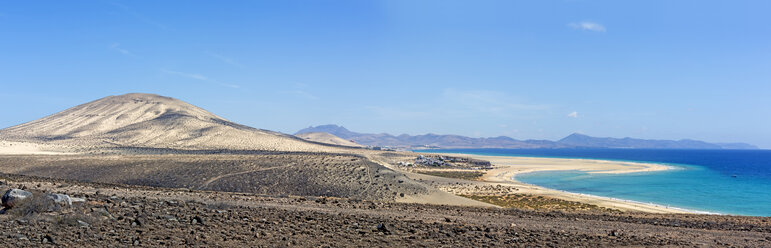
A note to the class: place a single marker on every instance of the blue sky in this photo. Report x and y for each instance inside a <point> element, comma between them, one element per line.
<point>525,69</point>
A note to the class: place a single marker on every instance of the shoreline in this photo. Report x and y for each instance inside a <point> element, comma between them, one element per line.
<point>506,168</point>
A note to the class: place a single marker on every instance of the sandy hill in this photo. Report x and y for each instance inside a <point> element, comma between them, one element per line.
<point>327,138</point>
<point>137,123</point>
<point>147,120</point>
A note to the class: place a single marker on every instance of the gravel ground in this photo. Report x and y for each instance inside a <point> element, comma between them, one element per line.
<point>124,215</point>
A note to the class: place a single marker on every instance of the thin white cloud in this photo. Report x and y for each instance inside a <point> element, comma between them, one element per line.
<point>234,86</point>
<point>588,26</point>
<point>391,113</point>
<point>187,75</point>
<point>488,101</point>
<point>200,77</point>
<point>224,59</point>
<point>139,16</point>
<point>116,47</point>
<point>460,104</point>
<point>302,90</point>
<point>305,94</point>
<point>574,114</point>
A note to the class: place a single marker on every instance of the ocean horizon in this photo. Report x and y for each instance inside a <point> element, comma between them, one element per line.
<point>735,182</point>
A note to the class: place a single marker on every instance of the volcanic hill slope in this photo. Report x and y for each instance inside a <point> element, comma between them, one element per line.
<point>164,142</point>
<point>147,120</point>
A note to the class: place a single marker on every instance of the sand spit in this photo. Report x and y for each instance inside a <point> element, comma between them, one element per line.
<point>511,166</point>
<point>499,181</point>
<point>506,168</point>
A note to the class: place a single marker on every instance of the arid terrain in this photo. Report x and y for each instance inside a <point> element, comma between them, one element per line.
<point>280,173</point>
<point>149,216</point>
<point>148,170</point>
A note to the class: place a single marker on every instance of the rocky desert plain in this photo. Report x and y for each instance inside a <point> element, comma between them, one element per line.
<point>147,170</point>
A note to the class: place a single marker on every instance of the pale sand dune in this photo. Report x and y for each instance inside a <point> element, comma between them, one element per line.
<point>327,138</point>
<point>147,120</point>
<point>21,148</point>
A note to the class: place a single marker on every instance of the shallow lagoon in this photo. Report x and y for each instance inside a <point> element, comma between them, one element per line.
<point>718,181</point>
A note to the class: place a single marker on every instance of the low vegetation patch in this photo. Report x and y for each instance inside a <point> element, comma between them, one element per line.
<point>525,201</point>
<point>466,175</point>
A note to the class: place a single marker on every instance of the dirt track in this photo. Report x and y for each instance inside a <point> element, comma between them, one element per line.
<point>309,174</point>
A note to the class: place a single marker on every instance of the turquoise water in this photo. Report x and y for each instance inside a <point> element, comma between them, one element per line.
<point>717,181</point>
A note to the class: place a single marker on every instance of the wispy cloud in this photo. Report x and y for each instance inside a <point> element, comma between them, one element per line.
<point>391,113</point>
<point>460,104</point>
<point>187,75</point>
<point>573,114</point>
<point>139,16</point>
<point>116,47</point>
<point>305,94</point>
<point>224,59</point>
<point>588,26</point>
<point>488,101</point>
<point>199,77</point>
<point>301,90</point>
<point>234,86</point>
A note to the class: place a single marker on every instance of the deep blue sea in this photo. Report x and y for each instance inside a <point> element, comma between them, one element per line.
<point>719,181</point>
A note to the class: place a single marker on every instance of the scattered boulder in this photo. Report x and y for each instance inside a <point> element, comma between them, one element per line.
<point>197,221</point>
<point>83,223</point>
<point>77,200</point>
<point>61,199</point>
<point>102,211</point>
<point>170,218</point>
<point>136,223</point>
<point>13,197</point>
<point>382,228</point>
<point>48,239</point>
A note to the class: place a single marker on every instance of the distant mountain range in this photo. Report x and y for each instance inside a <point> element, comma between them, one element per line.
<point>456,141</point>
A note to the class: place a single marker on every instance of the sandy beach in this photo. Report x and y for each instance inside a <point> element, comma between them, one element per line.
<point>505,168</point>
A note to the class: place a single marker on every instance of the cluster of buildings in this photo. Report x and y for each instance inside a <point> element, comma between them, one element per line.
<point>429,161</point>
<point>444,161</point>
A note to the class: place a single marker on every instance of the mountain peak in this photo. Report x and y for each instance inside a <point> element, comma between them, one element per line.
<point>574,137</point>
<point>149,120</point>
<point>107,114</point>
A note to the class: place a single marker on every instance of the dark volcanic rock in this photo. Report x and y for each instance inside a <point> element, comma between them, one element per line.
<point>13,197</point>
